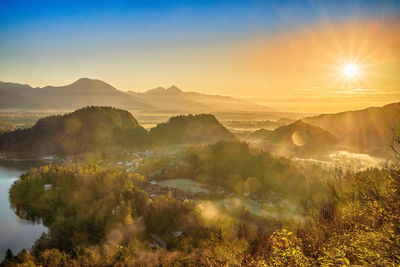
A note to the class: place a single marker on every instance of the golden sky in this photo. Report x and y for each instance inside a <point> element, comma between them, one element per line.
<point>307,65</point>
<point>287,56</point>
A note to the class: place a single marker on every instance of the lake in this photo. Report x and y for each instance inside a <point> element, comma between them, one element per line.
<point>15,233</point>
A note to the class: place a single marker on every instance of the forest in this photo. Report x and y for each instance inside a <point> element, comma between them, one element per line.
<point>103,217</point>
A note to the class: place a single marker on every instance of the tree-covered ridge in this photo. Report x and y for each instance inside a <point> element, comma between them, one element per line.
<point>202,128</point>
<point>118,117</point>
<point>84,130</point>
<point>95,129</point>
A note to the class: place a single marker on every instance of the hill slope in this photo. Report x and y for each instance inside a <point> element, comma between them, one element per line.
<point>257,135</point>
<point>203,128</point>
<point>300,139</point>
<point>84,130</point>
<point>366,131</point>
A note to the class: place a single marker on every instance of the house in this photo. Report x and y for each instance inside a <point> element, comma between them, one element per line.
<point>153,182</point>
<point>177,233</point>
<point>153,245</point>
<point>160,242</point>
<point>47,187</point>
<point>49,157</point>
<point>221,191</point>
<point>131,169</point>
<point>147,153</point>
<point>152,195</point>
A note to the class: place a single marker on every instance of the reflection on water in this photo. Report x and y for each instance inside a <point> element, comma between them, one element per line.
<point>346,160</point>
<point>357,160</point>
<point>15,233</point>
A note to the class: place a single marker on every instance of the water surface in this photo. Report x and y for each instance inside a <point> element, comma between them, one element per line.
<point>15,233</point>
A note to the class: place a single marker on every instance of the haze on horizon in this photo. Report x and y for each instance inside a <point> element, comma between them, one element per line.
<point>289,56</point>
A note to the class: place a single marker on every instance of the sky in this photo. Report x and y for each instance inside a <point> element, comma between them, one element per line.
<point>290,55</point>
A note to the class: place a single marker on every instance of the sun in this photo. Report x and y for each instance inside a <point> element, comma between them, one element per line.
<point>351,70</point>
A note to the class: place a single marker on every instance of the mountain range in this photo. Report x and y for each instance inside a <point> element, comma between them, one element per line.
<point>363,131</point>
<point>86,92</point>
<point>369,131</point>
<point>173,99</point>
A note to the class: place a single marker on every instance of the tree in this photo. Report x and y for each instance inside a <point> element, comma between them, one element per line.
<point>9,255</point>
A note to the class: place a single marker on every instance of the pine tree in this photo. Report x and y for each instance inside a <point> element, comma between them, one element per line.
<point>9,255</point>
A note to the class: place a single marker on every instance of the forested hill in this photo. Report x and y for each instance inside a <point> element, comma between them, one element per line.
<point>301,139</point>
<point>202,128</point>
<point>84,130</point>
<point>94,129</point>
<point>367,131</point>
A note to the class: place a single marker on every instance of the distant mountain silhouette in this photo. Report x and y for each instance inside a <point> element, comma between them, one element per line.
<point>258,124</point>
<point>366,131</point>
<point>300,139</point>
<point>203,128</point>
<point>173,99</point>
<point>84,130</point>
<point>85,92</point>
<point>10,100</point>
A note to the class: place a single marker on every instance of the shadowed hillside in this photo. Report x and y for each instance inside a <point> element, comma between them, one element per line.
<point>367,131</point>
<point>94,129</point>
<point>84,130</point>
<point>257,135</point>
<point>300,139</point>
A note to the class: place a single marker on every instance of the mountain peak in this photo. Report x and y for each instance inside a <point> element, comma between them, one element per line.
<point>85,81</point>
<point>87,84</point>
<point>161,90</point>
<point>174,89</point>
<point>156,90</point>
